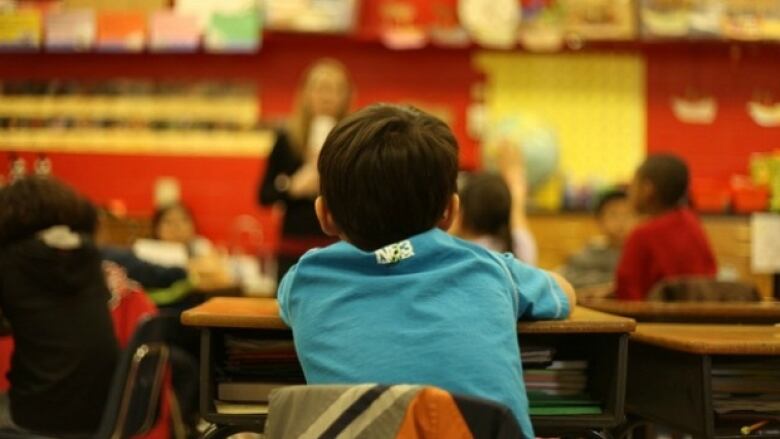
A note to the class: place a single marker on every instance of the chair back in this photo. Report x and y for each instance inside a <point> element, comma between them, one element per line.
<point>699,289</point>
<point>384,412</point>
<point>133,403</point>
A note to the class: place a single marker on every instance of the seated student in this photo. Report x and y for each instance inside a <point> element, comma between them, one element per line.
<point>175,223</point>
<point>595,265</point>
<point>492,210</point>
<point>399,300</point>
<point>671,242</point>
<point>53,293</point>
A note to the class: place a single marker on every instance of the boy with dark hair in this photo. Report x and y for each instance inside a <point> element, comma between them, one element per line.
<point>398,300</point>
<point>53,293</point>
<point>671,242</point>
<point>594,266</point>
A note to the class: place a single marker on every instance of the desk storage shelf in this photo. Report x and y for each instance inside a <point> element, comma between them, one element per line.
<point>670,374</point>
<point>600,339</point>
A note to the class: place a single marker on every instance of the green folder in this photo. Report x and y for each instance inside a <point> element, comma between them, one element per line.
<point>565,410</point>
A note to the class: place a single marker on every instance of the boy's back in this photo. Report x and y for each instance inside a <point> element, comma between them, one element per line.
<point>444,314</point>
<point>399,300</point>
<point>666,246</point>
<point>671,243</point>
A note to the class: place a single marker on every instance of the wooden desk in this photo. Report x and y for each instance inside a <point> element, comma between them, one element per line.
<point>600,338</point>
<point>670,371</point>
<point>261,313</point>
<point>691,312</point>
<point>711,339</point>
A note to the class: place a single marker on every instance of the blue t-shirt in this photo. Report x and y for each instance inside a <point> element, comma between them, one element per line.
<point>433,309</point>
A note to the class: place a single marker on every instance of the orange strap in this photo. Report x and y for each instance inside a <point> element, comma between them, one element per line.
<point>433,414</point>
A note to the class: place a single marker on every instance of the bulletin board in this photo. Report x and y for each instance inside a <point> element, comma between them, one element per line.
<point>595,102</point>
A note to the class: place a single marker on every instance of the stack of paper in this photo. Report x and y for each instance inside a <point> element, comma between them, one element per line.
<point>560,378</point>
<point>534,356</point>
<point>70,30</point>
<point>20,29</point>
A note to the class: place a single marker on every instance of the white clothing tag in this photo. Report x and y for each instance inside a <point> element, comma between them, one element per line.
<point>390,254</point>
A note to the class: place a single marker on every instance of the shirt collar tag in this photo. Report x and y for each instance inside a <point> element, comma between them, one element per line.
<point>393,253</point>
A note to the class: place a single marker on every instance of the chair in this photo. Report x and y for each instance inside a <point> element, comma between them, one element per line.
<point>700,289</point>
<point>137,389</point>
<point>385,412</point>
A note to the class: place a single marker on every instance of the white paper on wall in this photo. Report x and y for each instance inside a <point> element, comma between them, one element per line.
<point>765,237</point>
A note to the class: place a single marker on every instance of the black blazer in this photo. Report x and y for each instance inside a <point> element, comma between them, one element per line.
<point>300,220</point>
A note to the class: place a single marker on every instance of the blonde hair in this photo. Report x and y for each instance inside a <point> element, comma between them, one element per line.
<point>300,122</point>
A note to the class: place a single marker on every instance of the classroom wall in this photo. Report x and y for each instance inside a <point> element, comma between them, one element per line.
<point>732,75</point>
<point>220,188</point>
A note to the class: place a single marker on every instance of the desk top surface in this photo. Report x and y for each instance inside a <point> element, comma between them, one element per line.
<point>256,313</point>
<point>711,339</point>
<point>686,309</point>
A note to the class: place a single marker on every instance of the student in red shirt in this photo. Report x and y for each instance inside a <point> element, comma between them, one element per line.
<point>670,242</point>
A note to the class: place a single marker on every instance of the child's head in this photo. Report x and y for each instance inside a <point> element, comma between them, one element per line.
<point>614,216</point>
<point>660,184</point>
<point>33,204</point>
<point>486,207</point>
<point>173,223</point>
<point>387,173</point>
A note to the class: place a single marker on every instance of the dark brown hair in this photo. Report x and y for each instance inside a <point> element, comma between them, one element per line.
<point>160,213</point>
<point>388,173</point>
<point>33,204</point>
<point>486,207</point>
<point>607,197</point>
<point>669,176</point>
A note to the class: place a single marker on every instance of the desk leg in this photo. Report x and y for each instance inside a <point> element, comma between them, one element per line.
<point>206,368</point>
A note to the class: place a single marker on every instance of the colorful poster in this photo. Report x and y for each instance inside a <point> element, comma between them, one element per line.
<point>204,9</point>
<point>310,15</point>
<point>20,30</point>
<point>70,30</point>
<point>599,19</point>
<point>170,31</point>
<point>233,32</point>
<point>121,31</point>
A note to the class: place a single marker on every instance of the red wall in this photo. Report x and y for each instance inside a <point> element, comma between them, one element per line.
<point>219,189</point>
<point>731,74</point>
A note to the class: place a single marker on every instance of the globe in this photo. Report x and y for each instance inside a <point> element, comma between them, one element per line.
<point>538,141</point>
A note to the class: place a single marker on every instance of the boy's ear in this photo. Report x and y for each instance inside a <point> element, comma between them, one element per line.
<point>450,213</point>
<point>327,224</point>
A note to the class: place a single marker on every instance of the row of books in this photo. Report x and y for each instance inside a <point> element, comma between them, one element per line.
<point>556,387</point>
<point>217,29</point>
<point>253,368</point>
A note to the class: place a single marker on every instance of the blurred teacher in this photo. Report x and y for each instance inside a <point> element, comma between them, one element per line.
<point>291,177</point>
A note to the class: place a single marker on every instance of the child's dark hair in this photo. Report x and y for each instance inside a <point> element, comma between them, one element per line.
<point>486,207</point>
<point>163,210</point>
<point>607,197</point>
<point>33,204</point>
<point>669,176</point>
<point>388,173</point>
